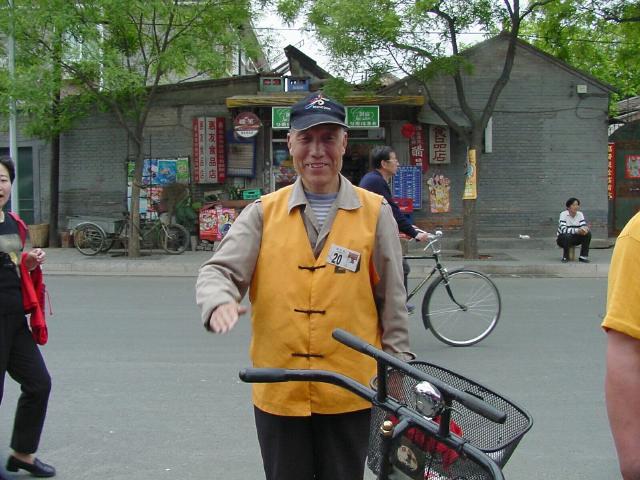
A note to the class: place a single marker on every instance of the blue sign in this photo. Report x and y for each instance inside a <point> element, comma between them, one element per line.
<point>407,183</point>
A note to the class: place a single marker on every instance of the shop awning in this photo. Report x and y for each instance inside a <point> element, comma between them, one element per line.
<point>276,100</point>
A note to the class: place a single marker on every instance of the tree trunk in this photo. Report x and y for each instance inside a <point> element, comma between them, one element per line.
<point>470,229</point>
<point>134,211</point>
<point>54,174</point>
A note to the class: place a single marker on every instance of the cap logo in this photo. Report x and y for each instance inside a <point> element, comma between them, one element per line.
<point>317,102</point>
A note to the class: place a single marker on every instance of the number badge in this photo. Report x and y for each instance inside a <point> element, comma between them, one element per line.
<point>343,258</point>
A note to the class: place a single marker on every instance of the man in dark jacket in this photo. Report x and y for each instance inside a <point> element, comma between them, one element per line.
<point>385,164</point>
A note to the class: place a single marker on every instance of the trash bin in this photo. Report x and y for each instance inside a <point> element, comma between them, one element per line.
<point>39,235</point>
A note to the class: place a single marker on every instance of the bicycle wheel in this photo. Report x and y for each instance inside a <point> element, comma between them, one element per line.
<point>89,238</point>
<point>175,239</point>
<point>473,320</point>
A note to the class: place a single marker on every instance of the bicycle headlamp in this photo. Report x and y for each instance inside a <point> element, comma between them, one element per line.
<point>427,400</point>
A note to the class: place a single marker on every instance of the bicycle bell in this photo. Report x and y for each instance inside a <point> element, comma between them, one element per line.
<point>427,400</point>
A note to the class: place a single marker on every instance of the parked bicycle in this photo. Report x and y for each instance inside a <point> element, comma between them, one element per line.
<point>90,238</point>
<point>427,422</point>
<point>460,307</point>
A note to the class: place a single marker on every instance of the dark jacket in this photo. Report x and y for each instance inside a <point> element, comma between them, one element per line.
<point>375,182</point>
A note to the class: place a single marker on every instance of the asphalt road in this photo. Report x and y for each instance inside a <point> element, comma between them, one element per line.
<point>142,392</point>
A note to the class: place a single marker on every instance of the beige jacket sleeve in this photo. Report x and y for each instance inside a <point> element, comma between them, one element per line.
<point>390,295</point>
<point>226,276</point>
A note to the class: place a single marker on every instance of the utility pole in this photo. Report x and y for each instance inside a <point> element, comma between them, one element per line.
<point>13,137</point>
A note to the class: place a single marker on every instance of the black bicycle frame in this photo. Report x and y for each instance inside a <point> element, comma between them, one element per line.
<point>443,273</point>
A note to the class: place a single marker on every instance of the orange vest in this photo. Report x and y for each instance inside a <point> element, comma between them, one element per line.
<point>297,301</point>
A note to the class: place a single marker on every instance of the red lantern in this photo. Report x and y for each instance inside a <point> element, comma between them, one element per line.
<point>408,130</point>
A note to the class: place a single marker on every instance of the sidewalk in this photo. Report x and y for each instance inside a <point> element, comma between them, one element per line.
<point>498,256</point>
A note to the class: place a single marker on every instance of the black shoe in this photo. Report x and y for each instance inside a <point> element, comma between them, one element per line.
<point>583,259</point>
<point>564,260</point>
<point>37,468</point>
<point>411,309</point>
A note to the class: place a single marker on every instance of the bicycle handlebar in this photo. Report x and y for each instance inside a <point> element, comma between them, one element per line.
<point>404,414</point>
<point>471,402</point>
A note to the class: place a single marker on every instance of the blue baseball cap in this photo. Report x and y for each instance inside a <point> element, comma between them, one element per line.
<point>316,109</point>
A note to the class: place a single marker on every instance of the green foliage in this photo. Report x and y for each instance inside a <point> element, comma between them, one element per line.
<point>117,51</point>
<point>589,36</point>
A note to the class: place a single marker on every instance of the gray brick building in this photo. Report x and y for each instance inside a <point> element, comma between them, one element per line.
<point>548,139</point>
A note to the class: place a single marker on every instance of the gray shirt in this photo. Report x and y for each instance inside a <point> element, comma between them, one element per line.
<point>227,275</point>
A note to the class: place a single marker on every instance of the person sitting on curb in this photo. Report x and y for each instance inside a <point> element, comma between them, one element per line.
<point>573,230</point>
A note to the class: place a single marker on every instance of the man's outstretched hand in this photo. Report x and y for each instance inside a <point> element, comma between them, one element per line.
<point>225,316</point>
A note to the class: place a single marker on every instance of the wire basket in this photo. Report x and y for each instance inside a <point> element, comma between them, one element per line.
<point>419,457</point>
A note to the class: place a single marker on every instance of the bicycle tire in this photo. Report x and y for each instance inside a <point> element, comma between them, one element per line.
<point>89,238</point>
<point>456,326</point>
<point>175,239</point>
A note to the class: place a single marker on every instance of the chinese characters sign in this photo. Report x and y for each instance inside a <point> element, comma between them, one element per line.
<point>439,149</point>
<point>208,150</point>
<point>280,118</point>
<point>611,171</point>
<point>363,117</point>
<point>417,149</point>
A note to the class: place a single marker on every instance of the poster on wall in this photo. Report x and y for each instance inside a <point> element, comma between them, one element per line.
<point>439,189</point>
<point>157,173</point>
<point>632,166</point>
<point>208,150</point>
<point>407,183</point>
<point>439,144</point>
<point>470,189</point>
<point>417,149</point>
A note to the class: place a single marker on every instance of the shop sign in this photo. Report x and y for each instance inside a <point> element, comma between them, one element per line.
<point>417,148</point>
<point>246,124</point>
<point>611,171</point>
<point>208,150</point>
<point>280,118</point>
<point>363,117</point>
<point>439,144</point>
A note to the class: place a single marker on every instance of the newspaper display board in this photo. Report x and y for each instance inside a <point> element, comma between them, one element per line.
<point>407,183</point>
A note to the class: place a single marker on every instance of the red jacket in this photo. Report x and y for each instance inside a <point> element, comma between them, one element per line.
<point>33,291</point>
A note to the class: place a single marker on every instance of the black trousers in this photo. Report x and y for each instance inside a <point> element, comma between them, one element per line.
<point>566,240</point>
<point>21,358</point>
<point>319,447</point>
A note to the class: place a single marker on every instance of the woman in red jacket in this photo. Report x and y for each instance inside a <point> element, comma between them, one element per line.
<point>19,354</point>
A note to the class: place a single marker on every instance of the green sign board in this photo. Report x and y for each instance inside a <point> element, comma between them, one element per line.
<point>363,117</point>
<point>357,117</point>
<point>280,118</point>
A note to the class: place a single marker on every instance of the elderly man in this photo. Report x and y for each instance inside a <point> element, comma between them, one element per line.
<point>317,255</point>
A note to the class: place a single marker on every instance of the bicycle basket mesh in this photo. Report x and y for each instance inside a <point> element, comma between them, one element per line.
<point>419,457</point>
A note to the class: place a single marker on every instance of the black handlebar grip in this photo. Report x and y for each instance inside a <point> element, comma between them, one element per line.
<point>263,375</point>
<point>483,408</point>
<point>350,340</point>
